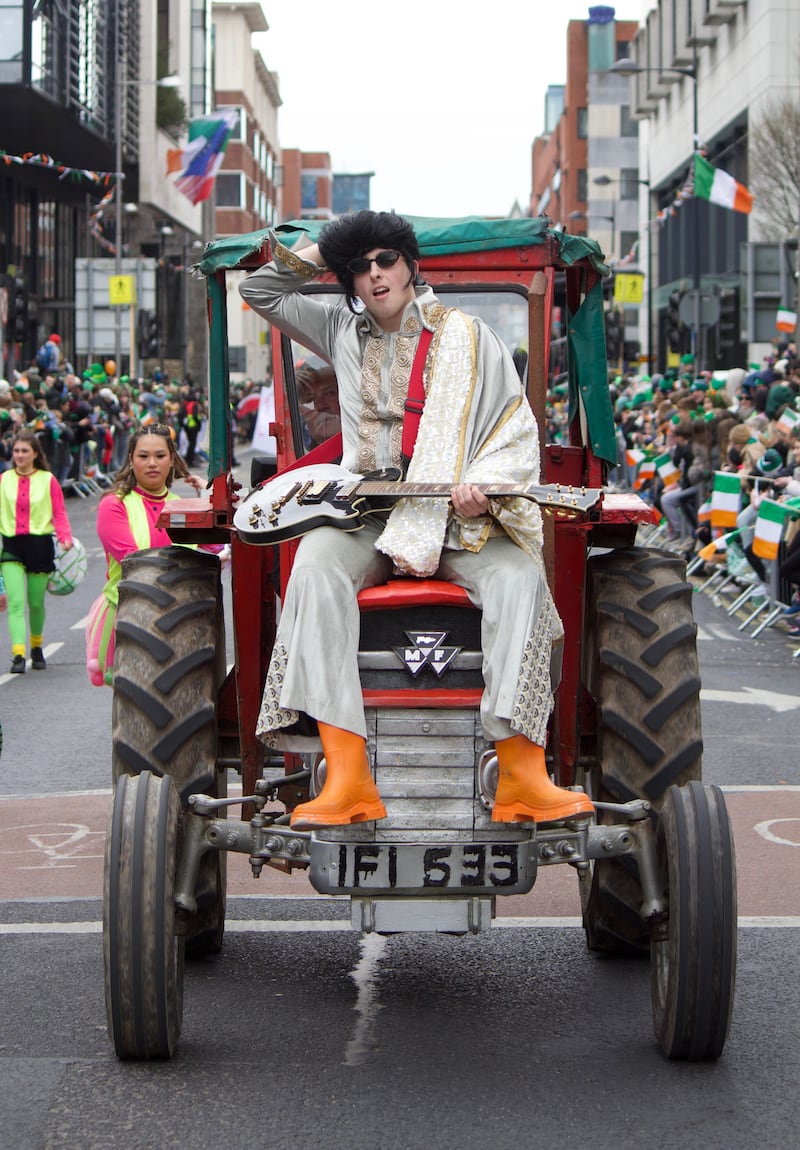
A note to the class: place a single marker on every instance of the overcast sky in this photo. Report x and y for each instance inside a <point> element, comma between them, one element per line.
<point>441,99</point>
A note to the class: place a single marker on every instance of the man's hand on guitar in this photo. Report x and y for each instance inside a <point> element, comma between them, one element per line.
<point>469,501</point>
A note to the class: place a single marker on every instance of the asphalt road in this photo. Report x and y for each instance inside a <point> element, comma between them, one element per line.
<point>301,1033</point>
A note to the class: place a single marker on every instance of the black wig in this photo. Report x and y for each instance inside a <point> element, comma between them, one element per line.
<point>360,232</point>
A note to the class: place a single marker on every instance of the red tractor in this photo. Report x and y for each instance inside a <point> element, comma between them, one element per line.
<point>656,867</point>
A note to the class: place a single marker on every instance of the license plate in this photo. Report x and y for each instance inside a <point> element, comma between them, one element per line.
<point>395,868</point>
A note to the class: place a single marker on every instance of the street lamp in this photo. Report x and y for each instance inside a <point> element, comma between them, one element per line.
<point>603,182</point>
<point>597,216</point>
<point>165,230</point>
<point>631,68</point>
<point>120,86</point>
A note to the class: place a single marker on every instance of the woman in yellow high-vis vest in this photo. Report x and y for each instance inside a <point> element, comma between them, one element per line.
<point>126,522</point>
<point>31,511</point>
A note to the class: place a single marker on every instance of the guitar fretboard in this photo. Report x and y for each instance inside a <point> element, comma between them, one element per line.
<point>550,494</point>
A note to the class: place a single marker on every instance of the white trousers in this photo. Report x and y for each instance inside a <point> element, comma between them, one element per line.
<point>314,664</point>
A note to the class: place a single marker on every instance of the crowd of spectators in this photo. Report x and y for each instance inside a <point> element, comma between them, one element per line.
<point>678,432</point>
<point>84,420</point>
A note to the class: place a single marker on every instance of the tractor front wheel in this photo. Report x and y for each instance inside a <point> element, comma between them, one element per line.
<point>693,951</point>
<point>644,676</point>
<point>142,950</point>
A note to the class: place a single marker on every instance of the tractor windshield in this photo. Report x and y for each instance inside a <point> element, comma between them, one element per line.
<point>311,392</point>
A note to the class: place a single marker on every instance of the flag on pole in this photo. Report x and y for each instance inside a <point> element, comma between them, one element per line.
<point>199,160</point>
<point>718,187</point>
<point>633,457</point>
<point>646,472</point>
<point>717,546</point>
<point>667,470</point>
<point>789,419</point>
<point>726,498</point>
<point>772,518</point>
<point>786,320</point>
<point>704,512</point>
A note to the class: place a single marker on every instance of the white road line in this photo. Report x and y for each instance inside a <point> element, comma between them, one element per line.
<point>49,650</point>
<point>342,926</point>
<point>235,788</point>
<point>80,625</point>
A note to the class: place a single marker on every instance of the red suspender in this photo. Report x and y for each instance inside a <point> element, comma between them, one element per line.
<point>415,401</point>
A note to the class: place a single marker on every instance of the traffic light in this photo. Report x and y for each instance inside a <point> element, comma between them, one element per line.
<point>728,319</point>
<point>148,334</point>
<point>19,309</point>
<point>674,321</point>
<point>613,335</point>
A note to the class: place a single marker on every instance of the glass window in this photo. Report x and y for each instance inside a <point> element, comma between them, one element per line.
<point>308,192</point>
<point>310,382</point>
<point>629,184</point>
<point>627,125</point>
<point>627,241</point>
<point>229,190</point>
<point>11,21</point>
<point>581,192</point>
<point>583,124</point>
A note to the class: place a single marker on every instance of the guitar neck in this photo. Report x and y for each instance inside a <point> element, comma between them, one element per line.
<point>552,494</point>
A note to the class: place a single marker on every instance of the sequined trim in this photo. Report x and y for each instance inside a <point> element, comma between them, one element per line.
<point>379,410</point>
<point>294,263</point>
<point>272,716</point>
<point>534,699</point>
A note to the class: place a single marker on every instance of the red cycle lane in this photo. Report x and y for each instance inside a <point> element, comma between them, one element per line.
<point>53,848</point>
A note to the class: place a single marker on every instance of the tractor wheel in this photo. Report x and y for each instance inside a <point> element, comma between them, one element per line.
<point>644,677</point>
<point>143,953</point>
<point>693,952</point>
<point>168,668</point>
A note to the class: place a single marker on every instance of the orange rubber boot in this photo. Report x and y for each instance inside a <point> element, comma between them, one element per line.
<point>524,789</point>
<point>349,794</point>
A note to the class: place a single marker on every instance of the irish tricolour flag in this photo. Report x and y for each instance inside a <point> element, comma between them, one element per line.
<point>726,499</point>
<point>667,470</point>
<point>789,419</point>
<point>717,546</point>
<point>646,472</point>
<point>770,523</point>
<point>713,184</point>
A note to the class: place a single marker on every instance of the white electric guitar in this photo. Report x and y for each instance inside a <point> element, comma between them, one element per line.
<point>327,495</point>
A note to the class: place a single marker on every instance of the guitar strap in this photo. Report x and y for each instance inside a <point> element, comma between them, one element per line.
<point>415,400</point>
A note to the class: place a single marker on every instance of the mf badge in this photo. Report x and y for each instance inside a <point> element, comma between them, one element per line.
<point>426,649</point>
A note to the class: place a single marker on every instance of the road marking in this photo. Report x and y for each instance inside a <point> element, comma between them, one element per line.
<point>763,829</point>
<point>49,650</point>
<point>754,696</point>
<point>342,926</point>
<point>61,844</point>
<point>80,625</point>
<point>715,634</point>
<point>367,1007</point>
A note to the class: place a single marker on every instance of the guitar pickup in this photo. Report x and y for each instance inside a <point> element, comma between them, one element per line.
<point>317,492</point>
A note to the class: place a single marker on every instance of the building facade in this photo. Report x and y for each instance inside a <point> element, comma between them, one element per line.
<point>710,70</point>
<point>81,104</point>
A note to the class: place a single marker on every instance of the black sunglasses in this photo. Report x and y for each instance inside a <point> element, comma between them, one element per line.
<point>362,264</point>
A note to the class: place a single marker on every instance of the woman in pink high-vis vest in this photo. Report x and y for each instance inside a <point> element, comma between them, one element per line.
<point>31,512</point>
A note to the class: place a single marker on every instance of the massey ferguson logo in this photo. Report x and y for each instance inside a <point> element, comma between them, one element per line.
<point>426,649</point>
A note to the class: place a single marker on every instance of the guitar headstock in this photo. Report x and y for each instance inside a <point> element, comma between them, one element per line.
<point>565,501</point>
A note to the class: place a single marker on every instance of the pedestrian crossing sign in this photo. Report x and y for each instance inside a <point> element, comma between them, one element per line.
<point>628,287</point>
<point>121,291</point>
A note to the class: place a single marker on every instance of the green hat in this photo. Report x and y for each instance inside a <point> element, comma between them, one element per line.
<point>699,385</point>
<point>770,462</point>
<point>688,358</point>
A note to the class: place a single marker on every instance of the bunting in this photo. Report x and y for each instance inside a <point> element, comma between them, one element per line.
<point>67,172</point>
